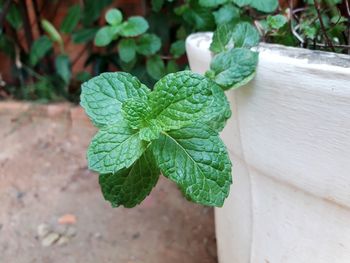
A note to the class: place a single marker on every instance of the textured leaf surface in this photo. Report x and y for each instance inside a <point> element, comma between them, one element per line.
<point>180,98</point>
<point>102,96</point>
<point>114,148</point>
<point>234,66</point>
<point>245,35</point>
<point>129,187</point>
<point>136,111</point>
<point>196,159</point>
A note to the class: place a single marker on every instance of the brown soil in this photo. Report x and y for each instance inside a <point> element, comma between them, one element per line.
<point>44,175</point>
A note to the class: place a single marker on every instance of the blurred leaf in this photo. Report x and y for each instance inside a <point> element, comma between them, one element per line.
<point>155,67</point>
<point>148,44</point>
<point>266,6</point>
<point>157,5</point>
<point>211,3</point>
<point>226,14</point>
<point>92,10</point>
<point>51,31</point>
<point>14,16</point>
<point>84,35</point>
<point>39,49</point>
<point>104,36</point>
<point>177,49</point>
<point>62,64</point>
<point>134,26</point>
<point>200,17</point>
<point>71,19</point>
<point>83,76</point>
<point>245,35</point>
<point>127,49</point>
<point>277,21</point>
<point>114,17</point>
<point>172,67</point>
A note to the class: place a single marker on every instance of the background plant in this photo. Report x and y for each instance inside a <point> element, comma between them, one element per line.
<point>42,62</point>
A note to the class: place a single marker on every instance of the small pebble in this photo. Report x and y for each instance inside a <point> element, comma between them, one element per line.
<point>43,230</point>
<point>50,239</point>
<point>63,240</point>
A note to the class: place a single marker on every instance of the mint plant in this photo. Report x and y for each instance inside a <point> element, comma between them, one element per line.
<point>172,130</point>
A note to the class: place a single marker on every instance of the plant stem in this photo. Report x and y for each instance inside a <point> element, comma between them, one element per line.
<point>328,40</point>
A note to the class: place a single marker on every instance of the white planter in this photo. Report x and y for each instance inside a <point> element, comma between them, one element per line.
<point>289,141</point>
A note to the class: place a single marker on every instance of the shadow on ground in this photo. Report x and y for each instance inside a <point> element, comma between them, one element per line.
<point>44,176</point>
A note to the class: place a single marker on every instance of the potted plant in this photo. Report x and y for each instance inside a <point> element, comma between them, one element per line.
<point>288,140</point>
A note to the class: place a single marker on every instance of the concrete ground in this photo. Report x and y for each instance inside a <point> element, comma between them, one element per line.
<point>52,210</point>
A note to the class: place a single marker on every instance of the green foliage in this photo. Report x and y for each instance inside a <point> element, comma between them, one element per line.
<point>71,20</point>
<point>39,49</point>
<point>143,132</point>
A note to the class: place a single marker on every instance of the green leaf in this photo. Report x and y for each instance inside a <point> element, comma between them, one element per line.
<point>221,38</point>
<point>39,49</point>
<point>157,5</point>
<point>136,25</point>
<point>177,49</point>
<point>136,112</point>
<point>172,66</point>
<point>266,6</point>
<point>83,76</point>
<point>219,111</point>
<point>127,49</point>
<point>129,187</point>
<point>84,35</point>
<point>155,67</point>
<point>148,44</point>
<point>226,14</point>
<point>180,98</point>
<point>245,35</point>
<point>231,68</point>
<point>51,31</point>
<point>71,20</point>
<point>277,21</point>
<point>104,36</point>
<point>114,17</point>
<point>200,17</point>
<point>102,97</point>
<point>195,158</point>
<point>211,3</point>
<point>114,148</point>
<point>151,132</point>
<point>14,16</point>
<point>92,10</point>
<point>62,64</point>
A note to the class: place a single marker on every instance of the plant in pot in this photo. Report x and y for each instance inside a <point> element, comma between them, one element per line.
<point>279,138</point>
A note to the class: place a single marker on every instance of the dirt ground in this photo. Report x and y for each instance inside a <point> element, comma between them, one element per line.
<point>52,210</point>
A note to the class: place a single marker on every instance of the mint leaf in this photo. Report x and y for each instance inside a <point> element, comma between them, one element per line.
<point>127,49</point>
<point>195,158</point>
<point>277,21</point>
<point>63,67</point>
<point>148,44</point>
<point>136,25</point>
<point>102,96</point>
<point>39,49</point>
<point>129,187</point>
<point>226,14</point>
<point>245,35</point>
<point>211,3</point>
<point>155,67</point>
<point>177,49</point>
<point>114,148</point>
<point>233,68</point>
<point>104,36</point>
<point>151,132</point>
<point>221,38</point>
<point>180,98</point>
<point>136,111</point>
<point>114,17</point>
<point>219,111</point>
<point>84,35</point>
<point>71,20</point>
<point>266,6</point>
